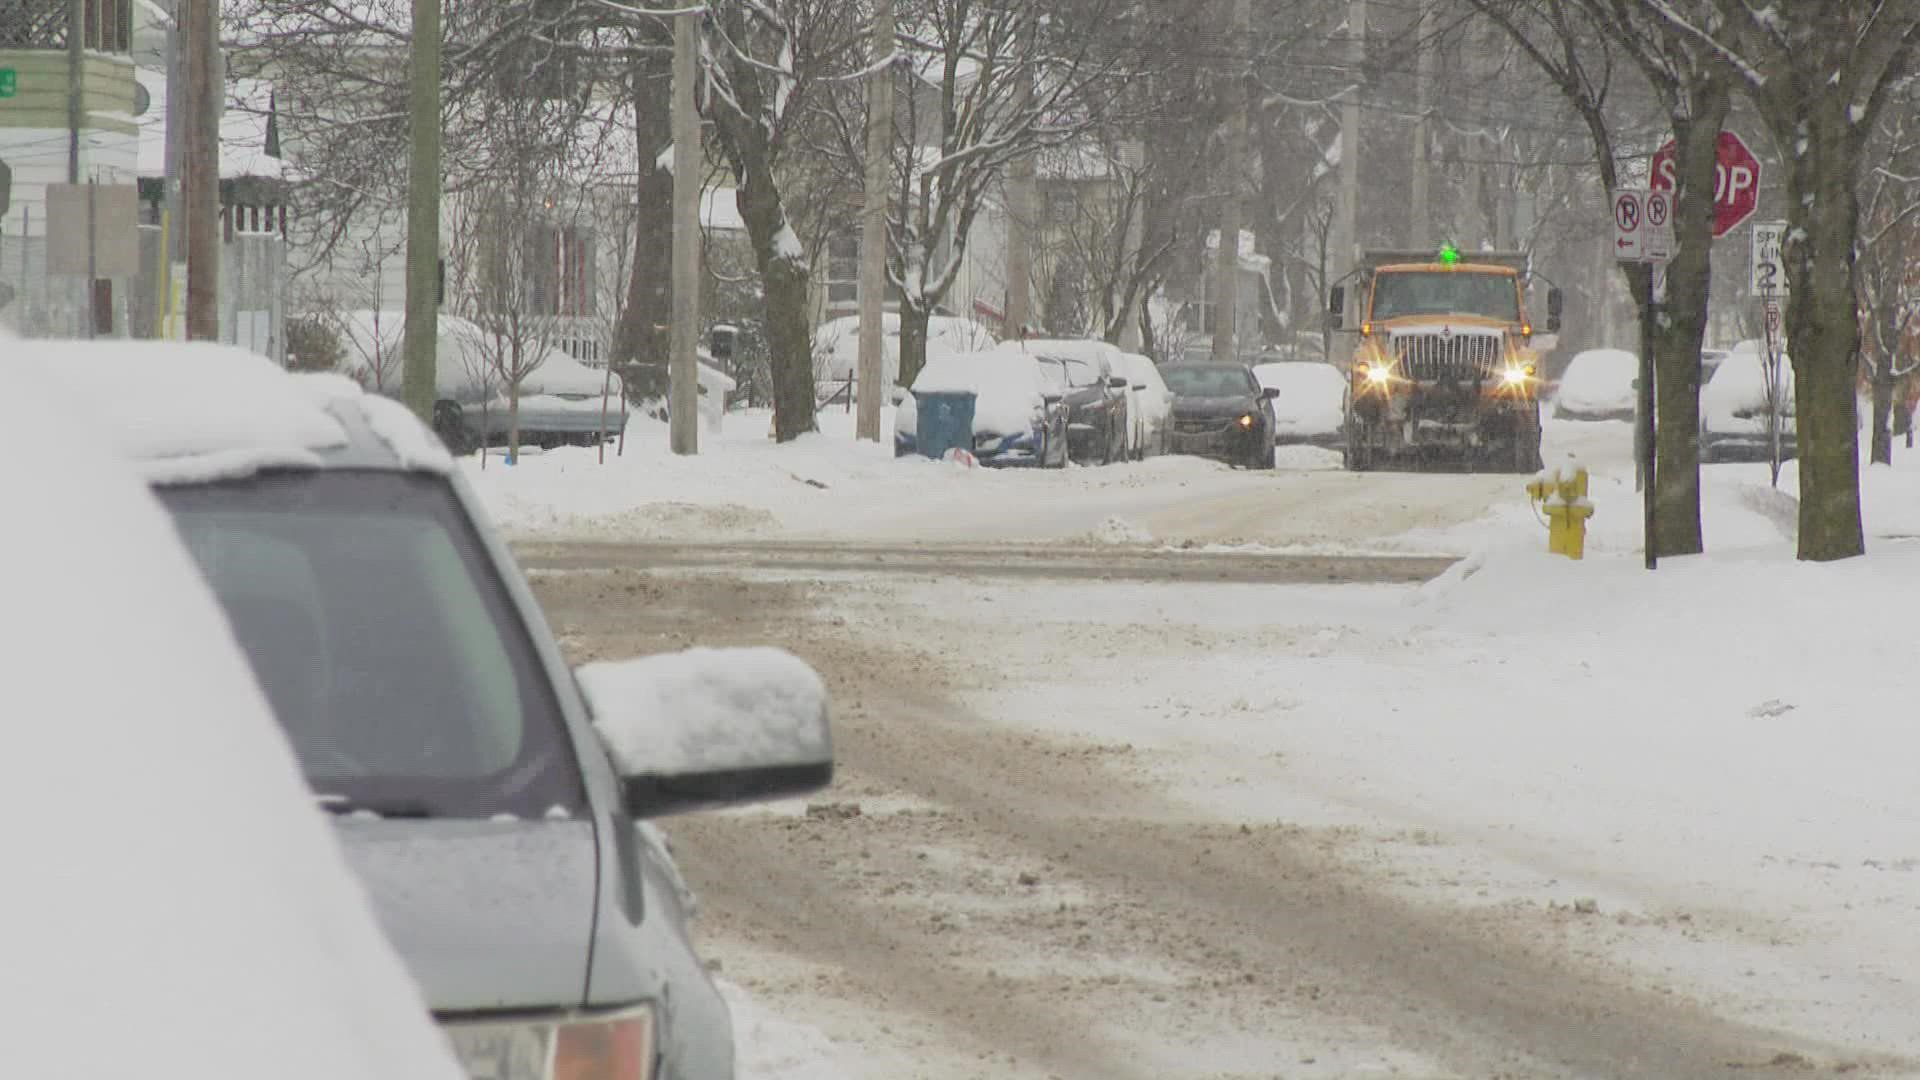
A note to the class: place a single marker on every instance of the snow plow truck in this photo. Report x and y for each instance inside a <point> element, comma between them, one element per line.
<point>1445,373</point>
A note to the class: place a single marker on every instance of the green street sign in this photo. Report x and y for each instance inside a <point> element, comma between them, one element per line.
<point>9,82</point>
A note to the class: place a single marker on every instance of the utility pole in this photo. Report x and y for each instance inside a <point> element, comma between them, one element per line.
<point>683,371</point>
<point>76,114</point>
<point>873,231</point>
<point>1422,216</point>
<point>422,330</point>
<point>201,188</point>
<point>1346,224</point>
<point>1226,280</point>
<point>1021,221</point>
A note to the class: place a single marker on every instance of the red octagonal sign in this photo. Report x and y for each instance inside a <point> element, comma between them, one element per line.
<point>1736,181</point>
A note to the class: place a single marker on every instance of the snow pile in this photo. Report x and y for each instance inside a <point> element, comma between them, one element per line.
<point>709,710</point>
<point>1007,388</point>
<point>230,940</point>
<point>1117,530</point>
<point>770,1048</point>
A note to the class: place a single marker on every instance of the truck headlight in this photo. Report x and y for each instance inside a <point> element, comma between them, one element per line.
<point>616,1045</point>
<point>1514,375</point>
<point>1376,375</point>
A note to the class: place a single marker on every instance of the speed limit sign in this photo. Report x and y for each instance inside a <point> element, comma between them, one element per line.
<point>1769,268</point>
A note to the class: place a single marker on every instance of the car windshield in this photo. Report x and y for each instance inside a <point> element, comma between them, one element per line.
<point>1067,371</point>
<point>1207,381</point>
<point>1445,292</point>
<point>388,646</point>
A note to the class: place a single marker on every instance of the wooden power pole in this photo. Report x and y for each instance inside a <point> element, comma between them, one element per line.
<point>683,370</point>
<point>1233,163</point>
<point>1422,216</point>
<point>1021,221</point>
<point>1346,223</point>
<point>422,331</point>
<point>200,180</point>
<point>873,231</point>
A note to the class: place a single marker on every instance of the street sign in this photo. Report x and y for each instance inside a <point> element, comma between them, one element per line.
<point>1656,226</point>
<point>1736,181</point>
<point>1769,270</point>
<point>1629,240</point>
<point>9,82</point>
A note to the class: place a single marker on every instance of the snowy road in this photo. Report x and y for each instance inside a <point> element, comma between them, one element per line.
<point>1090,829</point>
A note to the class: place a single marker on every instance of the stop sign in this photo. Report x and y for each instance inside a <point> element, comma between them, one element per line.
<point>1736,181</point>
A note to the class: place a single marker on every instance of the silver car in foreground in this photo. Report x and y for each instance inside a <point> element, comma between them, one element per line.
<point>491,801</point>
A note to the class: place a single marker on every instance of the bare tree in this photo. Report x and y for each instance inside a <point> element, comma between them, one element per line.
<point>1890,269</point>
<point>1819,76</point>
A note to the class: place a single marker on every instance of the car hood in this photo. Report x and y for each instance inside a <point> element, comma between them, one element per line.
<point>1214,406</point>
<point>487,915</point>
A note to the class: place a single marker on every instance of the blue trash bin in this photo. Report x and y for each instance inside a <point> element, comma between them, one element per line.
<point>945,423</point>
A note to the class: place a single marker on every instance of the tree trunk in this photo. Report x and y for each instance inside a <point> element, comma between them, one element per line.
<point>1883,412</point>
<point>513,422</point>
<point>640,337</point>
<point>913,341</point>
<point>1823,335</point>
<point>1676,345</point>
<point>784,276</point>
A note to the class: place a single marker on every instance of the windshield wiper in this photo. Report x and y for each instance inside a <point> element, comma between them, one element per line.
<point>381,808</point>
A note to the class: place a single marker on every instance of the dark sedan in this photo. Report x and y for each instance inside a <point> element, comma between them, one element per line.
<point>1221,411</point>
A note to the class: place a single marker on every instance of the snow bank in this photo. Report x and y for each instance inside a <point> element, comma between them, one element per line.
<point>228,940</point>
<point>770,1048</point>
<point>1008,388</point>
<point>761,705</point>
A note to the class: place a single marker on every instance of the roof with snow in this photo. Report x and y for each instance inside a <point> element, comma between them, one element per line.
<point>244,129</point>
<point>187,412</point>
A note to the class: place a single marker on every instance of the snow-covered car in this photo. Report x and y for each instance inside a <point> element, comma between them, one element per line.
<point>1086,375</point>
<point>1311,406</point>
<point>562,401</point>
<point>494,804</point>
<point>836,344</point>
<point>1598,385</point>
<point>1734,409</point>
<point>227,936</point>
<point>1149,406</point>
<point>1019,417</point>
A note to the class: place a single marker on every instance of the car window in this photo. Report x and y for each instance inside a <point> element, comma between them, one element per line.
<point>386,643</point>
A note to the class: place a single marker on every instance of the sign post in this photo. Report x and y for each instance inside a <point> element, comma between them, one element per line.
<point>1769,283</point>
<point>1632,225</point>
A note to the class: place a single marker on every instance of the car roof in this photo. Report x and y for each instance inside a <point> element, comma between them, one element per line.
<point>198,412</point>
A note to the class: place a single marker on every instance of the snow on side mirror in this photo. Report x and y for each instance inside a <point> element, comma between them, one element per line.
<point>708,728</point>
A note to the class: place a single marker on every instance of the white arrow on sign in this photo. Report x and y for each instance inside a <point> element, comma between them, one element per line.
<point>1657,227</point>
<point>1629,239</point>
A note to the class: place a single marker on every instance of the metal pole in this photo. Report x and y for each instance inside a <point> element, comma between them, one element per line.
<point>1226,288</point>
<point>1422,216</point>
<point>422,328</point>
<point>93,316</point>
<point>202,188</point>
<point>683,427</point>
<point>1346,227</point>
<point>76,76</point>
<point>873,231</point>
<point>1647,456</point>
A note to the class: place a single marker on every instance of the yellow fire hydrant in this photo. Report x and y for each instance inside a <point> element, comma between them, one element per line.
<point>1562,494</point>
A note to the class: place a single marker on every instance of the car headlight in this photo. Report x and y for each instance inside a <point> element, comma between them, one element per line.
<point>606,1046</point>
<point>1246,421</point>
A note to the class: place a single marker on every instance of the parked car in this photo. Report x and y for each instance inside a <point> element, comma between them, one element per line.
<point>1221,411</point>
<point>1710,361</point>
<point>1085,373</point>
<point>1599,384</point>
<point>493,803</point>
<point>562,401</point>
<point>1734,410</point>
<point>1019,416</point>
<point>1149,406</point>
<point>226,937</point>
<point>1310,402</point>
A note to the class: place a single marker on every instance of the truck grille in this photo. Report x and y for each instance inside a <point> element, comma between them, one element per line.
<point>1455,356</point>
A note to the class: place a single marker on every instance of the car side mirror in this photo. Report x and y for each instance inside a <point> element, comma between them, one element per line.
<point>1139,386</point>
<point>1269,392</point>
<point>1117,382</point>
<point>1337,303</point>
<point>710,728</point>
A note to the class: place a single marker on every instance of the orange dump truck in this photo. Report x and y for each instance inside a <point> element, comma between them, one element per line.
<point>1445,373</point>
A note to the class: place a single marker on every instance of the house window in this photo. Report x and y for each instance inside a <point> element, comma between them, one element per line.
<point>843,269</point>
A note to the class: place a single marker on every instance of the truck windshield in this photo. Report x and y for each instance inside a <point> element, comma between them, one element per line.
<point>1445,292</point>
